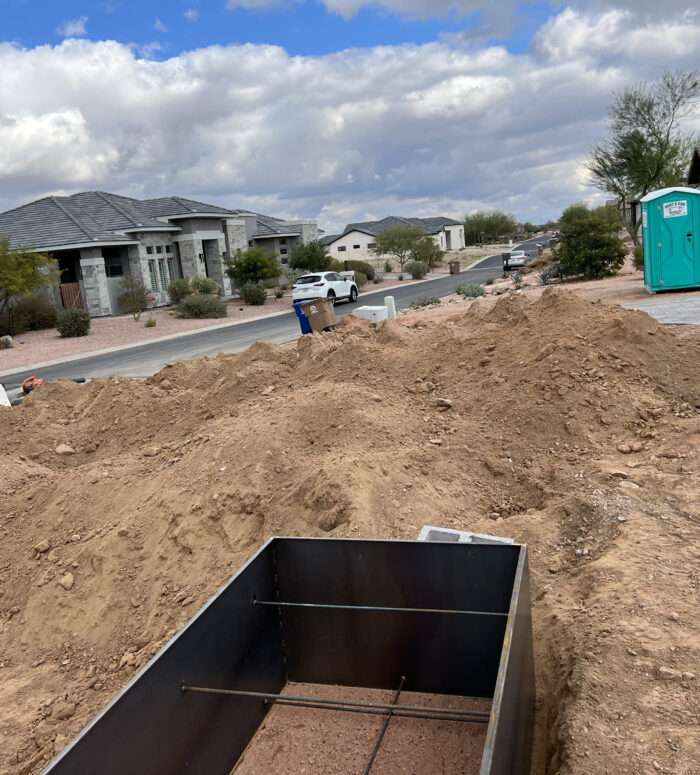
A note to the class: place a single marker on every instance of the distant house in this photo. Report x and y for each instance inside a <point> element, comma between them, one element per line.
<point>357,238</point>
<point>694,171</point>
<point>98,237</point>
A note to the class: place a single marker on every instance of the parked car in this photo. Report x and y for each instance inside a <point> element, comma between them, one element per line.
<point>518,258</point>
<point>324,285</point>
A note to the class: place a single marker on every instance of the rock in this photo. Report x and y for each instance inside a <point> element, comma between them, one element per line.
<point>64,449</point>
<point>444,402</point>
<point>437,442</point>
<point>6,342</point>
<point>75,537</point>
<point>127,659</point>
<point>637,446</point>
<point>673,616</point>
<point>42,546</point>
<point>269,390</point>
<point>620,474</point>
<point>377,398</point>
<point>688,676</point>
<point>150,451</point>
<point>166,384</point>
<point>629,485</point>
<point>429,386</point>
<point>63,710</point>
<point>67,581</point>
<point>668,674</point>
<point>624,448</point>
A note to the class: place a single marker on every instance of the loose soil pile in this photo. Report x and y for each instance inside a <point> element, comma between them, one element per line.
<point>568,425</point>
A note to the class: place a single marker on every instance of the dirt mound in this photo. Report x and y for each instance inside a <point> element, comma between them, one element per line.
<point>566,424</point>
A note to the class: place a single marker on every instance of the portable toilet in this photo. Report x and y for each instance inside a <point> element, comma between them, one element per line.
<point>671,234</point>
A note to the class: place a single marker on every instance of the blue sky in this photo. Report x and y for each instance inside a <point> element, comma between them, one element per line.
<point>302,28</point>
<point>364,108</point>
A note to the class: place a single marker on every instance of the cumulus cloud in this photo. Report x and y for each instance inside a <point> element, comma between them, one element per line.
<point>191,14</point>
<point>72,28</point>
<point>413,130</point>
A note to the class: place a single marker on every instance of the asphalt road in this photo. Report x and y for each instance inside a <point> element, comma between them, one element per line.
<point>148,358</point>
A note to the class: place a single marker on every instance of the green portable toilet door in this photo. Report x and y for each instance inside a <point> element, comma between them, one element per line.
<point>677,239</point>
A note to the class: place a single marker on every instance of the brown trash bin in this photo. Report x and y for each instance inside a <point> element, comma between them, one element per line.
<point>320,314</point>
<point>454,267</point>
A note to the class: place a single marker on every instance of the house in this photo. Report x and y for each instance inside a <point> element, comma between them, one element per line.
<point>357,238</point>
<point>98,237</point>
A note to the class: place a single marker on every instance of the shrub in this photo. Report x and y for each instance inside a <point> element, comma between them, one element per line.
<point>388,266</point>
<point>360,279</point>
<point>254,294</point>
<point>400,277</point>
<point>252,265</point>
<point>425,301</point>
<point>202,305</point>
<point>73,322</point>
<point>470,290</point>
<point>178,289</point>
<point>34,313</point>
<point>417,269</point>
<point>639,257</point>
<point>517,280</point>
<point>356,266</point>
<point>489,281</point>
<point>205,285</point>
<point>135,297</point>
<point>312,257</point>
<point>279,293</point>
<point>547,274</point>
<point>590,246</point>
<point>150,323</point>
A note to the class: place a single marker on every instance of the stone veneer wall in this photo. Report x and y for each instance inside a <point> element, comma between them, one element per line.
<point>92,267</point>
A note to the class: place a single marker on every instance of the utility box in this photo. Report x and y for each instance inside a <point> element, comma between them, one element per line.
<point>375,314</point>
<point>671,238</point>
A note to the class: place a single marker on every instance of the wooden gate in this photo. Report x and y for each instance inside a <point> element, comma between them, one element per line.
<point>71,296</point>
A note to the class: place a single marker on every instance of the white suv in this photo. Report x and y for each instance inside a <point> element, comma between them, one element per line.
<point>324,285</point>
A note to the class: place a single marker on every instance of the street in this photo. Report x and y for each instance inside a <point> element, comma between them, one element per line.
<point>148,358</point>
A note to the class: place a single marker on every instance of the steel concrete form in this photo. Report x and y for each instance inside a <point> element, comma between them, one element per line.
<point>452,618</point>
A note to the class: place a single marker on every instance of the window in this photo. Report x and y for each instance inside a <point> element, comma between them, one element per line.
<point>171,269</point>
<point>168,248</point>
<point>159,248</point>
<point>114,270</point>
<point>355,247</point>
<point>161,272</point>
<point>152,273</point>
<point>341,248</point>
<point>149,249</point>
<point>283,242</point>
<point>283,251</point>
<point>250,243</point>
<point>284,261</point>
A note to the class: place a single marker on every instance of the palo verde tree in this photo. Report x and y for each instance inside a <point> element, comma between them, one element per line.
<point>487,225</point>
<point>312,257</point>
<point>399,242</point>
<point>646,148</point>
<point>23,271</point>
<point>252,266</point>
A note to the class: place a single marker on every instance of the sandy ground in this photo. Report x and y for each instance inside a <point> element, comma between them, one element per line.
<point>567,424</point>
<point>322,742</point>
<point>40,346</point>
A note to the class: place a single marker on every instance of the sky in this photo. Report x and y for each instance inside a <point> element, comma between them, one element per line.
<point>340,110</point>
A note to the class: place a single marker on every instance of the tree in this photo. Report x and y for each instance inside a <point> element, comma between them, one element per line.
<point>399,242</point>
<point>252,266</point>
<point>428,251</point>
<point>646,148</point>
<point>134,298</point>
<point>590,245</point>
<point>23,270</point>
<point>312,257</point>
<point>487,224</point>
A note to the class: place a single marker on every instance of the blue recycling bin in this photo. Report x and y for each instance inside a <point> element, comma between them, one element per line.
<point>303,320</point>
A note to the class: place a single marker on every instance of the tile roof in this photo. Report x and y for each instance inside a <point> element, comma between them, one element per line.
<point>93,217</point>
<point>267,226</point>
<point>428,225</point>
